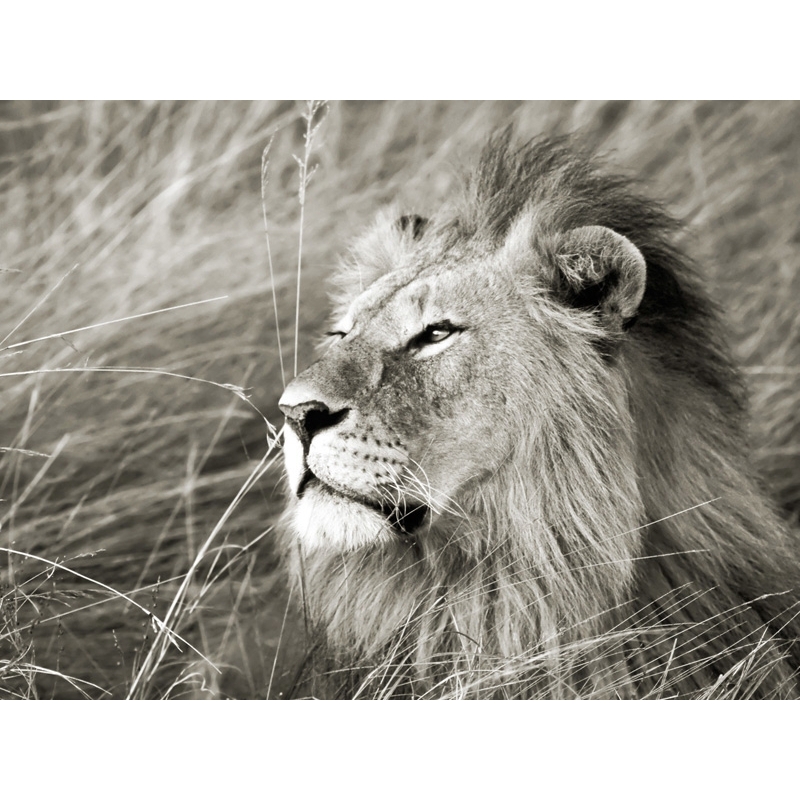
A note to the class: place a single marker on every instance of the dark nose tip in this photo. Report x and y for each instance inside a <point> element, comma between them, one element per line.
<point>309,418</point>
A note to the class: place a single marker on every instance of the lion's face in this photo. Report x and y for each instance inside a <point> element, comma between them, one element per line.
<point>421,394</point>
<point>402,410</point>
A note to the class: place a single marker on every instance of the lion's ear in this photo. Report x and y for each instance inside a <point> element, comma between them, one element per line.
<point>601,269</point>
<point>413,223</point>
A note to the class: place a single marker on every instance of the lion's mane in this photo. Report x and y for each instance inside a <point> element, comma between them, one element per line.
<point>643,560</point>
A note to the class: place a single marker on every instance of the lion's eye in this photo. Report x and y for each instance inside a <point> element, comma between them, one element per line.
<point>332,337</point>
<point>433,335</point>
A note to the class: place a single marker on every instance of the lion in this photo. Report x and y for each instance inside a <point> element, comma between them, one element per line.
<point>520,467</point>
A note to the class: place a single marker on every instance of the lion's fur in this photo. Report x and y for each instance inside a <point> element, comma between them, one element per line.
<point>624,548</point>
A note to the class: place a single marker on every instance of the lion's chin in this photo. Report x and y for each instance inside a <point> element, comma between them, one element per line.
<point>322,518</point>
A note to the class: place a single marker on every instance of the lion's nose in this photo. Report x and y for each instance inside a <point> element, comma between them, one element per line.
<point>307,415</point>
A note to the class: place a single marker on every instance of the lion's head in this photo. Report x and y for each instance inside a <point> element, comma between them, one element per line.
<point>442,374</point>
<point>514,395</point>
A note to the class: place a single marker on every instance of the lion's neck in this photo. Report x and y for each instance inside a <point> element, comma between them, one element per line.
<point>715,582</point>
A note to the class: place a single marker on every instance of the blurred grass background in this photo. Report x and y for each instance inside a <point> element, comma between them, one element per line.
<point>135,207</point>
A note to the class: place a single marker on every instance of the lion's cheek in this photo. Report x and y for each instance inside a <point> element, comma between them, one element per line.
<point>323,520</point>
<point>452,457</point>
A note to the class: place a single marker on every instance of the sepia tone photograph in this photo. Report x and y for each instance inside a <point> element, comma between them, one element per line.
<point>400,400</point>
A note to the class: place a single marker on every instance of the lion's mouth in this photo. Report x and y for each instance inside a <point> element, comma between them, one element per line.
<point>404,519</point>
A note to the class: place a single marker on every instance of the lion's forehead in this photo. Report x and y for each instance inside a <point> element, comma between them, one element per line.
<point>414,297</point>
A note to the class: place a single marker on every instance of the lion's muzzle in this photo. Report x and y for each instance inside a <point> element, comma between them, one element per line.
<point>335,459</point>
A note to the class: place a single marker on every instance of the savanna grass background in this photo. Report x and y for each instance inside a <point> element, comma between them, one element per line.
<point>139,478</point>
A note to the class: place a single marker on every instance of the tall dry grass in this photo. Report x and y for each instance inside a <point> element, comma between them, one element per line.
<point>138,496</point>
